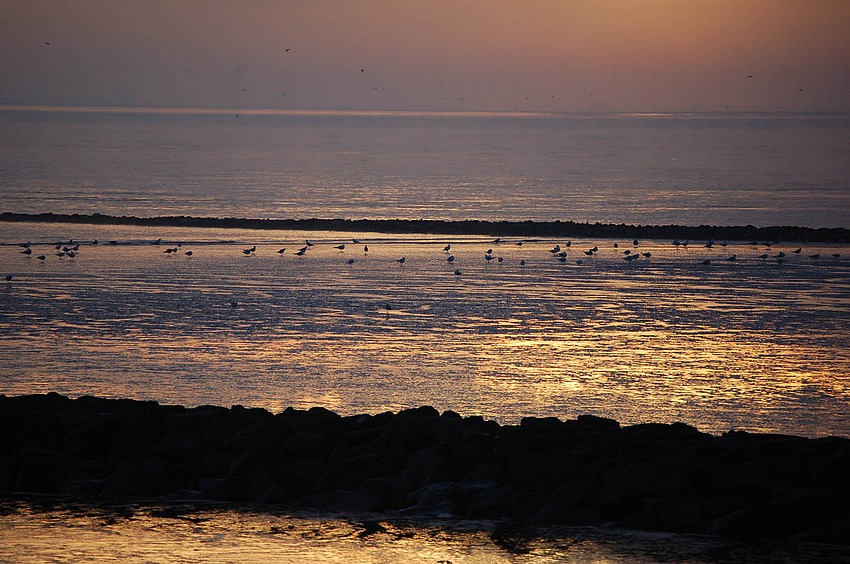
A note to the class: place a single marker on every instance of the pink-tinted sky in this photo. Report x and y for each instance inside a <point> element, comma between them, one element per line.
<point>496,55</point>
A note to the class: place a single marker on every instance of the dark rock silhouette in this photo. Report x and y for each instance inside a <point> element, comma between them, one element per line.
<point>588,471</point>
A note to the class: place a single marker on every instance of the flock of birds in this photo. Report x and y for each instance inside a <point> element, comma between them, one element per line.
<point>71,250</point>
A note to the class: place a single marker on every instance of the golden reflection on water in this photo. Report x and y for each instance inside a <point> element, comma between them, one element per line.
<point>749,344</point>
<point>50,531</point>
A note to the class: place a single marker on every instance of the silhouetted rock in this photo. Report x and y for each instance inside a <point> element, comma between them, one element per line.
<point>544,471</point>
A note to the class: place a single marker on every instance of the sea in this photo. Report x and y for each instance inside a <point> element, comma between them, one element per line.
<point>720,335</point>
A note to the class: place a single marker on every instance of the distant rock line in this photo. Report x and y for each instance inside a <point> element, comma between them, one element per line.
<point>566,229</point>
<point>420,463</point>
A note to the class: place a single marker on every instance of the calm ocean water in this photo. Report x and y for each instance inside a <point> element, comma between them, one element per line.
<point>691,170</point>
<point>751,343</point>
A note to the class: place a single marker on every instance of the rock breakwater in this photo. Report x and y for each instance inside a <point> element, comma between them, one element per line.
<point>588,471</point>
<point>566,229</point>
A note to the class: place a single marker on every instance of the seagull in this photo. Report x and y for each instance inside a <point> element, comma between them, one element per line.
<point>355,241</point>
<point>447,247</point>
<point>309,244</point>
<point>8,278</point>
<point>836,255</point>
<point>401,260</point>
<point>556,249</point>
<point>627,252</point>
<point>340,247</point>
<point>189,253</point>
<point>780,255</point>
<point>283,250</point>
<point>579,262</point>
<point>676,242</point>
<point>457,273</point>
<point>26,251</point>
<point>763,256</point>
<point>41,257</point>
<point>569,244</point>
<point>815,256</point>
<point>488,258</point>
<point>300,252</point>
<point>522,262</point>
<point>635,242</point>
<point>244,251</point>
<point>616,246</point>
<point>589,252</point>
<point>519,244</point>
<point>489,251</point>
<point>497,240</point>
<point>365,248</point>
<point>647,254</point>
<point>706,261</point>
<point>798,251</point>
<point>350,261</point>
<point>451,258</point>
<point>733,258</point>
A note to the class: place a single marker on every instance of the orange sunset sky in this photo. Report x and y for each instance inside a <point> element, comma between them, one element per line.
<point>459,55</point>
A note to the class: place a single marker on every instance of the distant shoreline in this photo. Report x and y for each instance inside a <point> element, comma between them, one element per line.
<point>462,227</point>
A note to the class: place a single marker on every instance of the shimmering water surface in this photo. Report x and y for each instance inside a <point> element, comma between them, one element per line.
<point>57,532</point>
<point>753,343</point>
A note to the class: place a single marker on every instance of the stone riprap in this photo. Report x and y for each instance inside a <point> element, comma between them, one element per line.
<point>589,471</point>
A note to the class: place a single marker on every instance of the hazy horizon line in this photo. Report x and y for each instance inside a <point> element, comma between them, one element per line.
<point>406,113</point>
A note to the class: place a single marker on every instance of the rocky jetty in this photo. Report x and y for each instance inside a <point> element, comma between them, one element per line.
<point>590,471</point>
<point>524,229</point>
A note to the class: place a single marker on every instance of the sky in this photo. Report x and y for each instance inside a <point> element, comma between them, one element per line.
<point>432,55</point>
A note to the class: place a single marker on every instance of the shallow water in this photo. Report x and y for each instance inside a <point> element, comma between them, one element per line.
<point>750,344</point>
<point>43,531</point>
